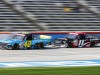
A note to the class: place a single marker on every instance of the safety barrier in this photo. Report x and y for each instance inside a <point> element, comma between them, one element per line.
<point>50,32</point>
<point>62,32</point>
<point>5,32</point>
<point>54,35</point>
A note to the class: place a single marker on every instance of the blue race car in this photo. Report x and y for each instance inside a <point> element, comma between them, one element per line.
<point>25,41</point>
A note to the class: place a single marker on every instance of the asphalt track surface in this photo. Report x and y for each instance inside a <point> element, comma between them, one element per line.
<point>50,54</point>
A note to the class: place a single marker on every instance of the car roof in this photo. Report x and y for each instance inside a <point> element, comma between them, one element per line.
<point>77,33</point>
<point>20,34</point>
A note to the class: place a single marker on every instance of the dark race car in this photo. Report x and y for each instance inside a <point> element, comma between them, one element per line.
<point>60,42</point>
<point>77,39</point>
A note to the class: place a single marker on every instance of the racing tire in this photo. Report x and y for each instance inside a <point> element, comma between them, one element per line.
<point>15,47</point>
<point>69,45</point>
<point>39,46</point>
<point>92,44</point>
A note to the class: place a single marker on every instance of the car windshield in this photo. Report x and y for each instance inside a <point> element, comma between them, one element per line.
<point>71,36</point>
<point>18,37</point>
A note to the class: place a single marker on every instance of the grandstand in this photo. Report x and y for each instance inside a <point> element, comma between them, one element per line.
<point>95,3</point>
<point>10,20</point>
<point>49,15</point>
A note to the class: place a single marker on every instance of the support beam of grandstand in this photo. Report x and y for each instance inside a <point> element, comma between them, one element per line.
<point>25,15</point>
<point>89,8</point>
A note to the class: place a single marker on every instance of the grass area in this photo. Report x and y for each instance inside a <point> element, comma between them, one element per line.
<point>51,71</point>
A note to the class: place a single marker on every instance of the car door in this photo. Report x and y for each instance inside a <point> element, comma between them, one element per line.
<point>28,41</point>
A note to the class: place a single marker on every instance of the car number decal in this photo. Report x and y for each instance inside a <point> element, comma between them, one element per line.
<point>81,42</point>
<point>28,44</point>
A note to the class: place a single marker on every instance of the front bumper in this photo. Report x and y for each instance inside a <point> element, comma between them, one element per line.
<point>5,46</point>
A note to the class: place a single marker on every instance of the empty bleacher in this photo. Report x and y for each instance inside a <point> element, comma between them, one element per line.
<point>95,3</point>
<point>52,14</point>
<point>12,21</point>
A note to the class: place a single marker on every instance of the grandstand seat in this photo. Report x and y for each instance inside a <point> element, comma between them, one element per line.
<point>95,3</point>
<point>12,21</point>
<point>54,15</point>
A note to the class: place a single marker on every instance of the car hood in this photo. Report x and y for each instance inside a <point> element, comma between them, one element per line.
<point>9,40</point>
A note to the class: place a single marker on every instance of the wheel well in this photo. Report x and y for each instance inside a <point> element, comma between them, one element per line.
<point>42,42</point>
<point>39,43</point>
<point>16,44</point>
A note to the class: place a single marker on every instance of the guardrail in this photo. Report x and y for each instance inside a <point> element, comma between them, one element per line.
<point>54,35</point>
<point>58,32</point>
<point>50,32</point>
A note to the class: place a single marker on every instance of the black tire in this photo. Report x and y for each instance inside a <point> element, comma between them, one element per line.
<point>39,46</point>
<point>92,44</point>
<point>69,45</point>
<point>15,47</point>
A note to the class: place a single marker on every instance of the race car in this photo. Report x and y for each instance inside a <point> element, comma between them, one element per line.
<point>25,41</point>
<point>77,40</point>
<point>59,42</point>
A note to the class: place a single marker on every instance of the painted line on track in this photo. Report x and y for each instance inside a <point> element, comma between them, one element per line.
<point>50,63</point>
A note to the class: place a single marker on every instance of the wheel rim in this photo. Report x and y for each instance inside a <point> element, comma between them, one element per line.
<point>15,47</point>
<point>40,46</point>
